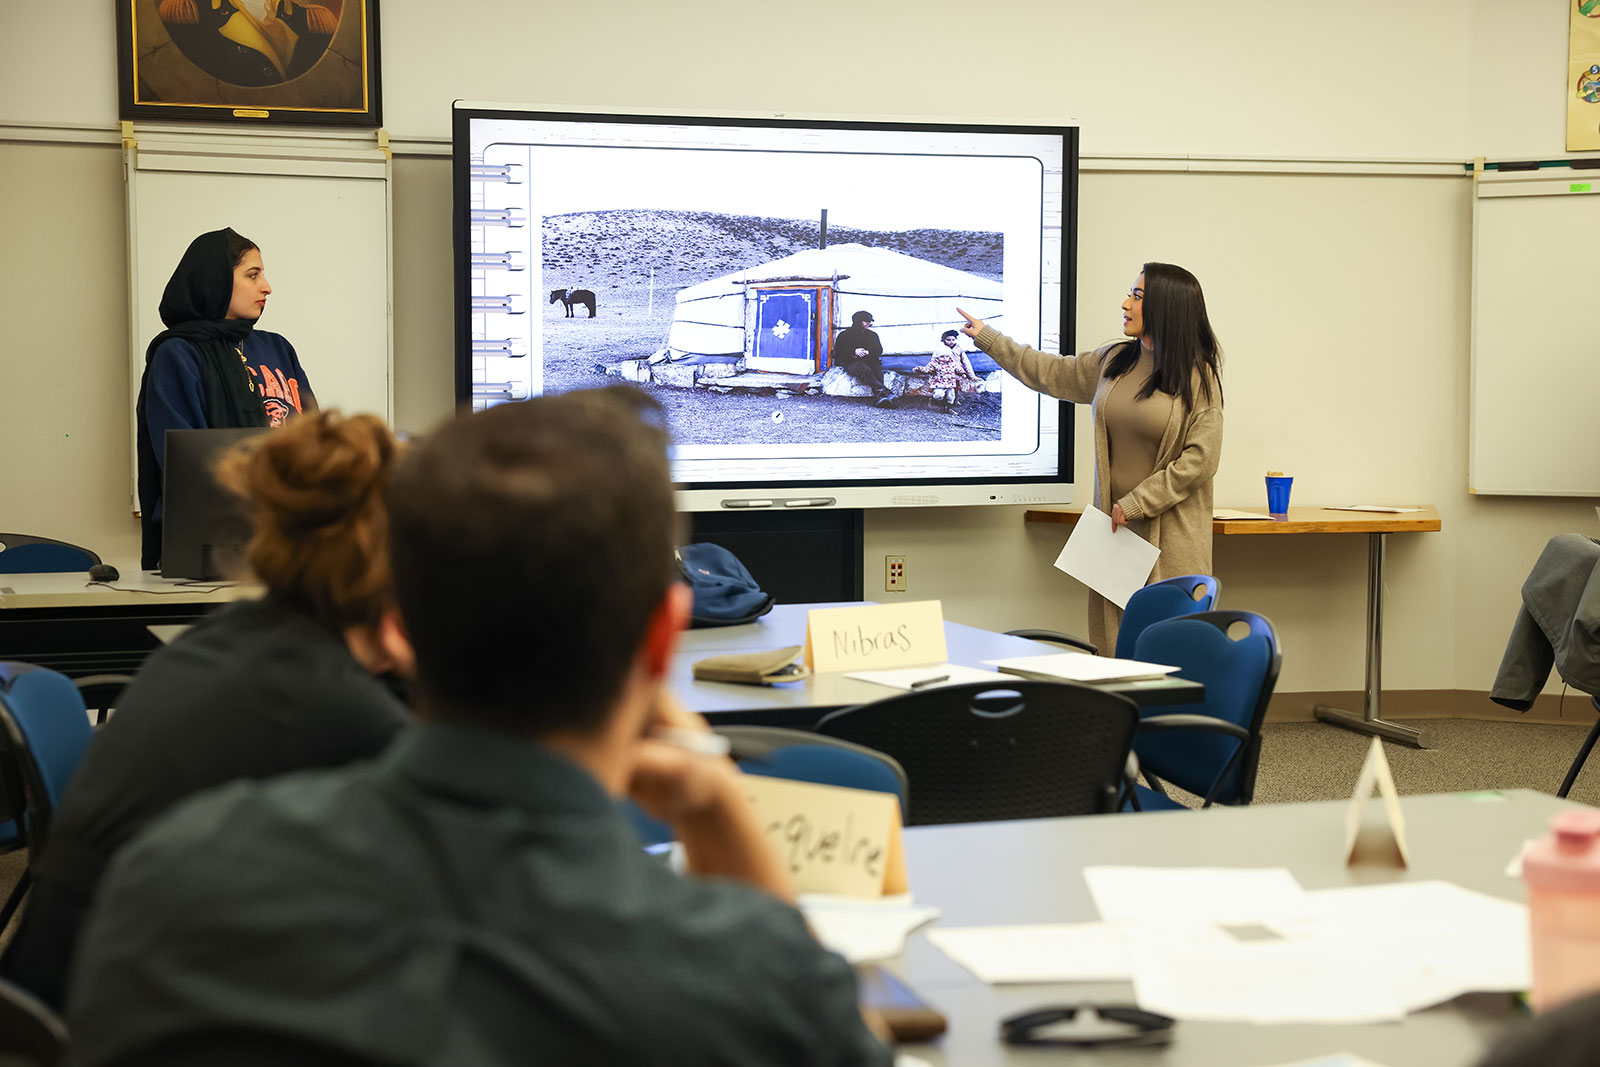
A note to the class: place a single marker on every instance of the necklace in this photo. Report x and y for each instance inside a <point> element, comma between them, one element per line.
<point>250,379</point>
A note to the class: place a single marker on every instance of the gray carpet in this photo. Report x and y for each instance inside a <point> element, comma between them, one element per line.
<point>1315,761</point>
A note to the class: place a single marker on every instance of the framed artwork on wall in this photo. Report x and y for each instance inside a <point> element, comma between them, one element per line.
<point>1583,76</point>
<point>246,62</point>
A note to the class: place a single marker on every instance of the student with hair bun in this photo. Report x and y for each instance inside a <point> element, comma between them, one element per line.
<point>294,680</point>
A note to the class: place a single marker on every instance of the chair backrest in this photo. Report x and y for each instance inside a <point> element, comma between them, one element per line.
<point>803,756</point>
<point>1166,599</point>
<point>1239,674</point>
<point>47,731</point>
<point>27,554</point>
<point>1008,750</point>
<point>29,1030</point>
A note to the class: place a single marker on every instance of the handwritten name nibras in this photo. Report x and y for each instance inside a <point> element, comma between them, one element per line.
<point>859,641</point>
<point>803,841</point>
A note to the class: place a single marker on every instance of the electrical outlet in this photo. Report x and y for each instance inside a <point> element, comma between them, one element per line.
<point>894,574</point>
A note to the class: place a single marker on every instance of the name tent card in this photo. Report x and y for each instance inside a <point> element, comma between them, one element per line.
<point>1386,843</point>
<point>831,839</point>
<point>875,636</point>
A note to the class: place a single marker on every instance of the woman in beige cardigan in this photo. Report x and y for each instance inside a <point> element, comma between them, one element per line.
<point>1157,421</point>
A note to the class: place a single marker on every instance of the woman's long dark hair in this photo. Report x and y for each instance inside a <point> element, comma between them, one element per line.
<point>1175,320</point>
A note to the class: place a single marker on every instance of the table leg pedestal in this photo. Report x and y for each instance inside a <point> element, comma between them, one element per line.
<point>1370,721</point>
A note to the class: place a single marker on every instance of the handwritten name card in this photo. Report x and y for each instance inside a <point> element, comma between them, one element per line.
<point>875,636</point>
<point>831,839</point>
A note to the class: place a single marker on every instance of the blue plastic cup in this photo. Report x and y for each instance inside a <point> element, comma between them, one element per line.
<point>1278,496</point>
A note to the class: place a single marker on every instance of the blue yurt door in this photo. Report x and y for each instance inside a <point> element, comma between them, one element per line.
<point>786,331</point>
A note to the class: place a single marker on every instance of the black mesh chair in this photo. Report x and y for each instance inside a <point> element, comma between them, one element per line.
<point>30,1033</point>
<point>1013,750</point>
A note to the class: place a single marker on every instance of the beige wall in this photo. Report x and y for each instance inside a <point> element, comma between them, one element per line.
<point>1341,299</point>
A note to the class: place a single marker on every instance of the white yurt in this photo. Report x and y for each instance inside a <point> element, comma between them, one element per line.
<point>783,315</point>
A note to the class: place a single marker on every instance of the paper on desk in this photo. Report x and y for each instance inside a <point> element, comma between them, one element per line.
<point>1361,954</point>
<point>1189,895</point>
<point>1437,939</point>
<point>906,677</point>
<point>1081,667</point>
<point>1265,981</point>
<point>1115,565</point>
<point>1374,507</point>
<point>1233,513</point>
<point>863,931</point>
<point>1057,952</point>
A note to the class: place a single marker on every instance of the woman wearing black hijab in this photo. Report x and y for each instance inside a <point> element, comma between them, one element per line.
<point>211,368</point>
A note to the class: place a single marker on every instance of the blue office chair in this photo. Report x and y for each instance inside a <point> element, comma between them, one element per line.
<point>46,731</point>
<point>1166,599</point>
<point>27,554</point>
<point>801,756</point>
<point>989,751</point>
<point>1211,750</point>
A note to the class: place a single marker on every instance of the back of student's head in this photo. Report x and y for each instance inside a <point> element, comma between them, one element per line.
<point>315,489</point>
<point>532,543</point>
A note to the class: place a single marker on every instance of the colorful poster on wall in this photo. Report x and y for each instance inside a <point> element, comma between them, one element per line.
<point>1583,77</point>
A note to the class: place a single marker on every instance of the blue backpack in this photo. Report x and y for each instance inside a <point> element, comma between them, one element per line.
<point>724,592</point>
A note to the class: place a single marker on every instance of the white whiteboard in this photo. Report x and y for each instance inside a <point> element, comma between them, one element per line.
<point>1535,415</point>
<point>318,206</point>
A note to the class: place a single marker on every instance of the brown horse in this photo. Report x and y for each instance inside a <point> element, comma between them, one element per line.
<point>573,296</point>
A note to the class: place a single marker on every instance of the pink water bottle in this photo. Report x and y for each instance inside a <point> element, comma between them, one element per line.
<point>1562,872</point>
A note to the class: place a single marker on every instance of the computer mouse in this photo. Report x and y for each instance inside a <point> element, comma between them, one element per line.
<point>103,572</point>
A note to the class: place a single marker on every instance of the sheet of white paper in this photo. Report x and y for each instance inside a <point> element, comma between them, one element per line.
<point>1374,507</point>
<point>1334,1059</point>
<point>1081,667</point>
<point>1115,565</point>
<point>1436,939</point>
<point>1060,952</point>
<point>1268,981</point>
<point>1232,513</point>
<point>907,677</point>
<point>1178,895</point>
<point>863,931</point>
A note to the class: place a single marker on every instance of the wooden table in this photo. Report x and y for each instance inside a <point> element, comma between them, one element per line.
<point>1377,526</point>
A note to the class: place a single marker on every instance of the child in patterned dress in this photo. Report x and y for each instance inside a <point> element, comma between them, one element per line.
<point>948,368</point>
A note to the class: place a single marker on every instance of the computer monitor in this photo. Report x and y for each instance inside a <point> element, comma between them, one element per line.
<point>204,526</point>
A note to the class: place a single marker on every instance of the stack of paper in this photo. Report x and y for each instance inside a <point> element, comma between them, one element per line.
<point>1252,946</point>
<point>860,930</point>
<point>1079,667</point>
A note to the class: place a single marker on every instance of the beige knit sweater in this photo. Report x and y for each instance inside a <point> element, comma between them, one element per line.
<point>1175,498</point>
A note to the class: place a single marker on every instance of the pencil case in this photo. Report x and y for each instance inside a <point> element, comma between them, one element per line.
<point>753,668</point>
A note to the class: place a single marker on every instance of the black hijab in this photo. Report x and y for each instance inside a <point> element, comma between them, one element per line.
<point>193,307</point>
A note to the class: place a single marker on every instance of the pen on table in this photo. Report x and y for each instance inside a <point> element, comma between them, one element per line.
<point>705,744</point>
<point>935,680</point>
